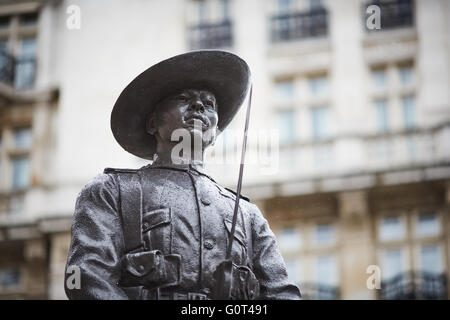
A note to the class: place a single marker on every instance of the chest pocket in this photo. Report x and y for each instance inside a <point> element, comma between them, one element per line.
<point>239,249</point>
<point>157,229</point>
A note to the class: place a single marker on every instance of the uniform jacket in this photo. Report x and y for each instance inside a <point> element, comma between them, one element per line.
<point>185,213</point>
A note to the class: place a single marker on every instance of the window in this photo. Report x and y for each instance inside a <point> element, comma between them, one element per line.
<point>392,263</point>
<point>318,85</point>
<point>20,172</point>
<point>326,270</point>
<point>324,234</point>
<point>289,239</point>
<point>10,278</point>
<point>431,258</point>
<point>381,115</point>
<point>286,125</point>
<point>28,19</point>
<point>209,24</point>
<point>284,6</point>
<point>288,23</point>
<point>320,120</point>
<point>315,4</point>
<point>409,112</point>
<point>225,9</point>
<point>379,78</point>
<point>428,224</point>
<point>406,75</point>
<point>25,66</point>
<point>18,62</point>
<point>22,138</point>
<point>284,91</point>
<point>391,228</point>
<point>5,22</point>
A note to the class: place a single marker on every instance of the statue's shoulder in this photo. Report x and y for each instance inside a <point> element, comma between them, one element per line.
<point>235,194</point>
<point>227,192</point>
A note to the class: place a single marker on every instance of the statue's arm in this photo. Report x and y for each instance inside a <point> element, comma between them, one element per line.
<point>268,264</point>
<point>97,242</point>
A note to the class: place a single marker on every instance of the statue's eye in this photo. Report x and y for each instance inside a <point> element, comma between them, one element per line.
<point>182,97</point>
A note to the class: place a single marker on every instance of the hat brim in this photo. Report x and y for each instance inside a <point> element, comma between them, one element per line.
<point>224,74</point>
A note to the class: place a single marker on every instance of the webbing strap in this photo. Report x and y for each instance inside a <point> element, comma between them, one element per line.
<point>131,209</point>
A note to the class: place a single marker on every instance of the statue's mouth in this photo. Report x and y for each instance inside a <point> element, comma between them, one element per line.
<point>191,120</point>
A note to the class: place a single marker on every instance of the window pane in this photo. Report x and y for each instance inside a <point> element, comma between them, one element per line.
<point>5,63</point>
<point>315,4</point>
<point>320,122</point>
<point>5,21</point>
<point>381,116</point>
<point>286,126</point>
<point>409,116</point>
<point>406,75</point>
<point>391,228</point>
<point>22,138</point>
<point>10,278</point>
<point>318,85</point>
<point>201,11</point>
<point>225,9</point>
<point>289,239</point>
<point>327,270</point>
<point>20,172</point>
<point>284,91</point>
<point>324,234</point>
<point>28,19</point>
<point>379,78</point>
<point>284,6</point>
<point>25,67</point>
<point>430,258</point>
<point>392,263</point>
<point>428,225</point>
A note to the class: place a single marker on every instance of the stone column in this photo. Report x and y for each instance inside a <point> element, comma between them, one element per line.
<point>357,249</point>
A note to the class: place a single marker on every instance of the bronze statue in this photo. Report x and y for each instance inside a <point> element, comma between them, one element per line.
<point>162,231</point>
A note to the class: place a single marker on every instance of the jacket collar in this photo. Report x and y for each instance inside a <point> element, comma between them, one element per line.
<point>180,167</point>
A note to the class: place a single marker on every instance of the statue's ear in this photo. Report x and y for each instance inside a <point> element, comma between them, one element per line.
<point>150,124</point>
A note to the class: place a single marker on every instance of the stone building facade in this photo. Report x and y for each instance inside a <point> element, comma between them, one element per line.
<point>358,183</point>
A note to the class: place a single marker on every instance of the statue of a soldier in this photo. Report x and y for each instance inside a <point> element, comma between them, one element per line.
<point>162,231</point>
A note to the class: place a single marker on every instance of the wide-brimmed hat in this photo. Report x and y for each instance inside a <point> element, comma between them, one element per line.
<point>224,74</point>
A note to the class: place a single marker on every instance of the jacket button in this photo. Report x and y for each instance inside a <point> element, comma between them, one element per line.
<point>209,244</point>
<point>205,202</point>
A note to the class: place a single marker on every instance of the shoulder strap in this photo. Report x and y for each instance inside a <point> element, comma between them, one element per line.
<point>241,196</point>
<point>130,206</point>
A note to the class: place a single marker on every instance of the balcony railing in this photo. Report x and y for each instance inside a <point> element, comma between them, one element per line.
<point>301,25</point>
<point>17,73</point>
<point>317,291</point>
<point>209,36</point>
<point>395,14</point>
<point>415,286</point>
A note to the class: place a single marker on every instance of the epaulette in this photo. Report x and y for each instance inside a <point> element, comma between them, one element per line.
<point>116,170</point>
<point>243,197</point>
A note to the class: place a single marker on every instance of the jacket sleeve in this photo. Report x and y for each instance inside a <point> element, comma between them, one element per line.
<point>268,264</point>
<point>97,242</point>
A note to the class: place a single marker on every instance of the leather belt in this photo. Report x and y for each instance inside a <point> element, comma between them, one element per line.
<point>169,295</point>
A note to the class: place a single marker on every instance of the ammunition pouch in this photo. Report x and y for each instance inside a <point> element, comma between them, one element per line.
<point>234,282</point>
<point>244,286</point>
<point>150,269</point>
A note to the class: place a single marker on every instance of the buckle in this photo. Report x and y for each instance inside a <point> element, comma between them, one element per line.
<point>196,296</point>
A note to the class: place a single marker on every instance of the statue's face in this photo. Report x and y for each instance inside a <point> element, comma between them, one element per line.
<point>189,109</point>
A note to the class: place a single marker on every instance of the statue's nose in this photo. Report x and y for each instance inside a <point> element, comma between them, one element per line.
<point>197,105</point>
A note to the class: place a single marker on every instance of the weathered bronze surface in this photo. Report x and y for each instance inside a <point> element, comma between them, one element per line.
<point>161,232</point>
